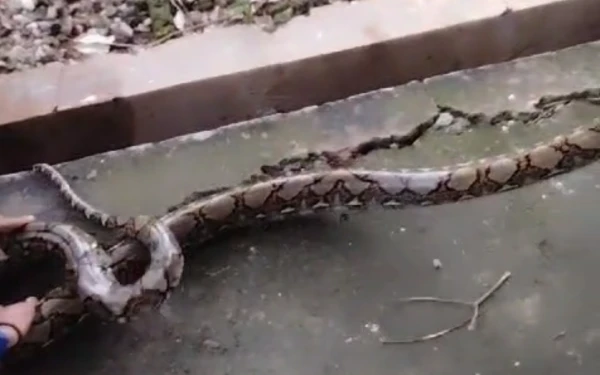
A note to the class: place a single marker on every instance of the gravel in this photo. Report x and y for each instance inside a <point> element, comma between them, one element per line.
<point>38,32</point>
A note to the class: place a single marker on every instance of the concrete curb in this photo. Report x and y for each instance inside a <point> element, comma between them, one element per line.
<point>63,112</point>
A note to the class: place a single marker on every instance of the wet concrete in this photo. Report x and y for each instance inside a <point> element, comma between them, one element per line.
<point>315,296</point>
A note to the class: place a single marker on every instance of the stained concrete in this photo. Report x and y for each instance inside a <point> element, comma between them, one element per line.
<point>230,74</point>
<point>315,296</point>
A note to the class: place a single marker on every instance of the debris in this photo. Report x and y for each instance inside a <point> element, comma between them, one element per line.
<point>212,345</point>
<point>472,321</point>
<point>444,120</point>
<point>162,20</point>
<point>92,175</point>
<point>559,335</point>
<point>34,33</point>
<point>373,327</point>
<point>437,264</point>
<point>28,4</point>
<point>179,20</point>
<point>93,43</point>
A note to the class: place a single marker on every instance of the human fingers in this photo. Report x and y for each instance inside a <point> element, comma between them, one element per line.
<point>8,224</point>
<point>17,316</point>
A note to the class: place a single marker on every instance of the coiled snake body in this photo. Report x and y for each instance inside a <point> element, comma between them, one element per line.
<point>270,200</point>
<point>89,276</point>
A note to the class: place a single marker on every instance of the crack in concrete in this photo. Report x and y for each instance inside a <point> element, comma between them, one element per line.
<point>545,107</point>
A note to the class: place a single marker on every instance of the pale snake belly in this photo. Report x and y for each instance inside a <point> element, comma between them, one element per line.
<point>91,285</point>
<point>344,189</point>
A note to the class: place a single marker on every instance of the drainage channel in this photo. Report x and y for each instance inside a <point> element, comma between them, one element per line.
<point>200,82</point>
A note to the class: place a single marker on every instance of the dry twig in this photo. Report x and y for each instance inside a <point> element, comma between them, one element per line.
<point>472,321</point>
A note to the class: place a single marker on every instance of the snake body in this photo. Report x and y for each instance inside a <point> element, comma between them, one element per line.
<point>348,189</point>
<point>352,189</point>
<point>88,266</point>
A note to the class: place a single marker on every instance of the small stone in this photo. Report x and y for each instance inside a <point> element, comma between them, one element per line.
<point>97,7</point>
<point>459,126</point>
<point>44,53</point>
<point>437,264</point>
<point>55,29</point>
<point>204,5</point>
<point>195,17</point>
<point>74,8</point>
<point>5,22</point>
<point>121,30</point>
<point>44,26</point>
<point>17,53</point>
<point>21,19</point>
<point>99,22</point>
<point>28,4</point>
<point>142,28</point>
<point>213,345</point>
<point>125,9</point>
<point>34,29</point>
<point>4,32</point>
<point>52,12</point>
<point>109,11</point>
<point>67,26</point>
<point>444,119</point>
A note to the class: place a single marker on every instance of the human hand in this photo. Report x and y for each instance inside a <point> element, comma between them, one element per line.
<point>8,224</point>
<point>16,319</point>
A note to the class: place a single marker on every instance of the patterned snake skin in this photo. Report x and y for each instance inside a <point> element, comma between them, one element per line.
<point>88,273</point>
<point>278,198</point>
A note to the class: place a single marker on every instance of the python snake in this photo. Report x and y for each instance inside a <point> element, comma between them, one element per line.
<point>312,192</point>
<point>89,276</point>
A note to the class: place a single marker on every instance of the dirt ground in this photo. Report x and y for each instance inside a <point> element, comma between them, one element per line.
<point>38,32</point>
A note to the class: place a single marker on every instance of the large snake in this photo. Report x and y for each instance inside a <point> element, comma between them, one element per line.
<point>349,189</point>
<point>90,279</point>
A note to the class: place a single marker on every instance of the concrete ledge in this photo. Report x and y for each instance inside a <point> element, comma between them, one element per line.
<point>64,112</point>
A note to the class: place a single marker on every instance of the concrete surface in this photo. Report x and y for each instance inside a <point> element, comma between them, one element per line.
<point>225,75</point>
<point>314,296</point>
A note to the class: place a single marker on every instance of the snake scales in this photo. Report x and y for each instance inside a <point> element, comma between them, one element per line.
<point>277,198</point>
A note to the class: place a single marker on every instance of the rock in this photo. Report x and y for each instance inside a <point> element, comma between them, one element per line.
<point>52,12</point>
<point>109,11</point>
<point>444,120</point>
<point>12,5</point>
<point>121,30</point>
<point>142,28</point>
<point>34,29</point>
<point>17,53</point>
<point>97,7</point>
<point>126,9</point>
<point>66,26</point>
<point>195,17</point>
<point>55,29</point>
<point>43,53</point>
<point>34,32</point>
<point>21,19</point>
<point>29,4</point>
<point>44,26</point>
<point>213,346</point>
